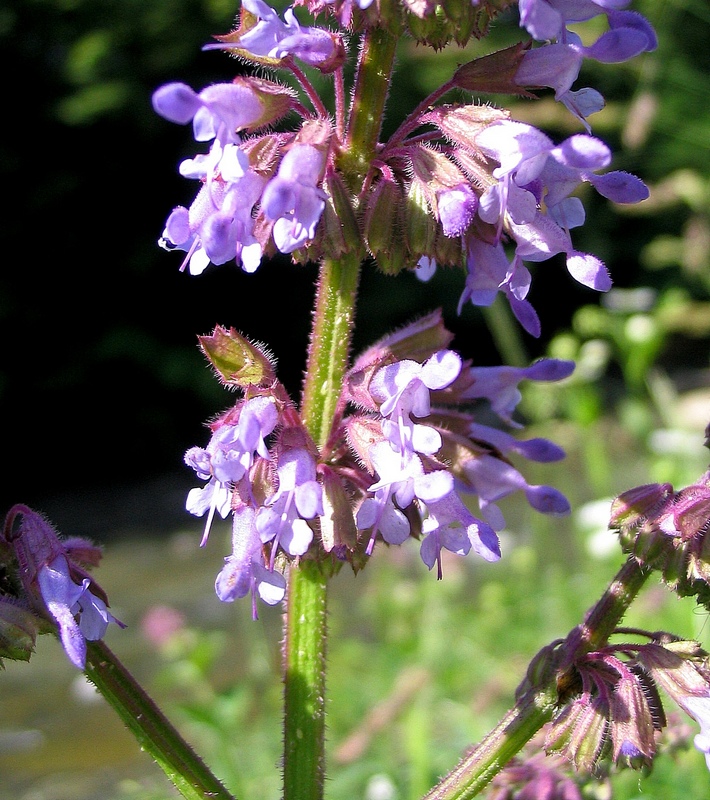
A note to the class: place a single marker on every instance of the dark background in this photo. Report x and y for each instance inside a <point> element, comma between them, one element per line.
<point>102,387</point>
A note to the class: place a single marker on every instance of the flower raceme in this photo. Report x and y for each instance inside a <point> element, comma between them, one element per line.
<point>403,456</point>
<point>457,184</point>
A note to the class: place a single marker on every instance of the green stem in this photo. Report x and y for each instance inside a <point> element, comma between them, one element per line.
<point>153,731</point>
<point>328,354</point>
<point>305,619</point>
<point>478,768</point>
<point>538,704</point>
<point>333,320</point>
<point>369,98</point>
<point>304,679</point>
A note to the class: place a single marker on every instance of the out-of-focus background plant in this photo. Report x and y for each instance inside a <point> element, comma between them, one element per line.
<point>102,389</point>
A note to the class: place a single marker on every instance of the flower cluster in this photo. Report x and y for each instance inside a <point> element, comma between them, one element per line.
<point>459,184</point>
<point>615,710</point>
<point>456,184</point>
<point>47,588</point>
<point>402,457</point>
<point>667,531</point>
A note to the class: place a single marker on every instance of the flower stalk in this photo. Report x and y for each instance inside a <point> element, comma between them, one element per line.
<point>539,701</point>
<point>152,730</point>
<point>333,323</point>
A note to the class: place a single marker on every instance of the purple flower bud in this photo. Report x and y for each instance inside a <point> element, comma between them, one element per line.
<point>456,207</point>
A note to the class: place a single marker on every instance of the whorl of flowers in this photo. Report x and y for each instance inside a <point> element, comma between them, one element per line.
<point>457,184</point>
<point>401,460</point>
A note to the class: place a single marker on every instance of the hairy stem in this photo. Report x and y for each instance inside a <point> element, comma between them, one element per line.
<point>304,679</point>
<point>537,704</point>
<point>374,73</point>
<point>329,350</point>
<point>154,733</point>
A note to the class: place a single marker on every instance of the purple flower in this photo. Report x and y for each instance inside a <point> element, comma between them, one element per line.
<point>218,226</point>
<point>492,479</point>
<point>292,198</point>
<point>629,34</point>
<point>499,385</point>
<point>67,600</point>
<point>400,476</point>
<point>490,272</point>
<point>536,449</point>
<point>449,524</point>
<point>532,172</point>
<point>57,586</point>
<point>557,63</point>
<point>282,518</point>
<point>244,571</point>
<point>217,112</point>
<point>272,38</point>
<point>228,457</point>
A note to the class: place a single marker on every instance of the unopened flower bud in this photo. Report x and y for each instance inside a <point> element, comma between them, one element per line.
<point>579,732</point>
<point>384,224</point>
<point>236,360</point>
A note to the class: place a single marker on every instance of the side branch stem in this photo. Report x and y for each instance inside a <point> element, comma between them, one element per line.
<point>537,704</point>
<point>148,724</point>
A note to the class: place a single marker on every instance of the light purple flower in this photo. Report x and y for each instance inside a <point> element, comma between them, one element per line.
<point>400,477</point>
<point>402,390</point>
<point>299,497</point>
<point>67,600</point>
<point>227,458</point>
<point>499,385</point>
<point>293,198</point>
<point>449,524</point>
<point>217,112</point>
<point>405,385</point>
<point>273,38</point>
<point>244,571</point>
<point>218,226</point>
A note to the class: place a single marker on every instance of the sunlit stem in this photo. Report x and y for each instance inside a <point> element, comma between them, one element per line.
<point>537,704</point>
<point>153,731</point>
<point>329,350</point>
<point>304,679</point>
<point>374,73</point>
